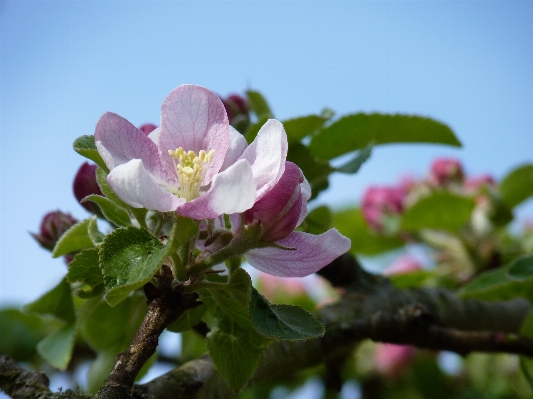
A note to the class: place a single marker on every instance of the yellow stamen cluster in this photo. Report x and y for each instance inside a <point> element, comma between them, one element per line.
<point>190,169</point>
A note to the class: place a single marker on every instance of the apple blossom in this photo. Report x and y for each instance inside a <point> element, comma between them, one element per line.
<point>444,171</point>
<point>379,202</point>
<point>194,163</point>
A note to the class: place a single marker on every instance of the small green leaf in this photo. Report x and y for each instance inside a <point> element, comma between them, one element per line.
<point>517,186</point>
<point>521,268</point>
<point>101,179</point>
<point>74,239</point>
<point>56,348</point>
<point>85,268</point>
<point>258,104</point>
<point>440,211</point>
<point>283,322</point>
<point>358,130</point>
<point>86,147</point>
<point>491,286</point>
<point>56,302</point>
<point>94,233</point>
<point>350,223</point>
<point>298,128</point>
<point>129,258</point>
<point>359,159</point>
<point>111,211</point>
<point>319,220</point>
<point>235,351</point>
<point>188,319</point>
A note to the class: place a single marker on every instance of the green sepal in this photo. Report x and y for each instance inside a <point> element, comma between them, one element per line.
<point>86,147</point>
<point>356,131</point>
<point>112,212</point>
<point>129,258</point>
<point>283,322</point>
<point>56,302</point>
<point>85,268</point>
<point>74,239</point>
<point>439,211</point>
<point>57,347</point>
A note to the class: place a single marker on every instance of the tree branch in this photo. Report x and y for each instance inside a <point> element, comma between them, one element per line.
<point>22,384</point>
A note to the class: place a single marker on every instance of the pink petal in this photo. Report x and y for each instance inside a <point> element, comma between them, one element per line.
<point>267,156</point>
<point>136,187</point>
<point>118,142</point>
<point>311,254</point>
<point>194,118</point>
<point>237,144</point>
<point>231,191</point>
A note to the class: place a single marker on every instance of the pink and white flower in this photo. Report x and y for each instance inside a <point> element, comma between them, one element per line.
<point>195,163</point>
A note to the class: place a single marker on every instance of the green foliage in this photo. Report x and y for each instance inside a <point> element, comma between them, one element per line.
<point>74,239</point>
<point>358,130</point>
<point>111,211</point>
<point>365,241</point>
<point>129,258</point>
<point>56,302</point>
<point>258,104</point>
<point>357,161</point>
<point>440,211</point>
<point>521,269</point>
<point>188,319</point>
<point>57,347</point>
<point>101,179</point>
<point>283,322</point>
<point>319,220</point>
<point>298,128</point>
<point>517,186</point>
<point>86,147</point>
<point>85,268</point>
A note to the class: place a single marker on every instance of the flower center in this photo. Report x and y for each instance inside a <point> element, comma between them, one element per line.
<point>190,169</point>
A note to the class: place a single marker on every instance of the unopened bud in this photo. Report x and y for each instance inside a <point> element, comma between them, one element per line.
<point>445,171</point>
<point>53,225</point>
<point>147,128</point>
<point>238,111</point>
<point>85,184</point>
<point>381,202</point>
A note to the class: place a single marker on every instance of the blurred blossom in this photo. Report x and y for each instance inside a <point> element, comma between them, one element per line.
<point>147,128</point>
<point>391,360</point>
<point>85,184</point>
<point>474,184</point>
<point>380,202</point>
<point>445,171</point>
<point>272,287</point>
<point>53,225</point>
<point>403,264</point>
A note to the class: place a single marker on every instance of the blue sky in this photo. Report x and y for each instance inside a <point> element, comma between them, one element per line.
<point>64,63</point>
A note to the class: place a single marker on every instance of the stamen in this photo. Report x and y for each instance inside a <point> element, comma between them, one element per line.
<point>190,170</point>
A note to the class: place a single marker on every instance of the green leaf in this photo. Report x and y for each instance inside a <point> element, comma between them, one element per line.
<point>111,211</point>
<point>318,221</point>
<point>188,319</point>
<point>526,366</point>
<point>358,160</point>
<point>109,328</point>
<point>517,186</point>
<point>440,211</point>
<point>56,348</point>
<point>94,233</point>
<point>258,104</point>
<point>350,223</point>
<point>298,128</point>
<point>101,179</point>
<point>56,302</point>
<point>74,239</point>
<point>235,351</point>
<point>129,258</point>
<point>527,326</point>
<point>86,147</point>
<point>315,171</point>
<point>521,268</point>
<point>412,279</point>
<point>85,268</point>
<point>358,130</point>
<point>494,285</point>
<point>99,371</point>
<point>283,322</point>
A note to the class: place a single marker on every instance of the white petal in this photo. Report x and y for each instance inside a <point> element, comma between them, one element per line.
<point>231,191</point>
<point>154,135</point>
<point>267,156</point>
<point>306,194</point>
<point>310,254</point>
<point>237,145</point>
<point>136,187</point>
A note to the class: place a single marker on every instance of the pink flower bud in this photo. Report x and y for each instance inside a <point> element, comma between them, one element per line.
<point>379,202</point>
<point>279,210</point>
<point>53,225</point>
<point>237,110</point>
<point>147,128</point>
<point>403,264</point>
<point>85,184</point>
<point>390,359</point>
<point>474,184</point>
<point>444,171</point>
